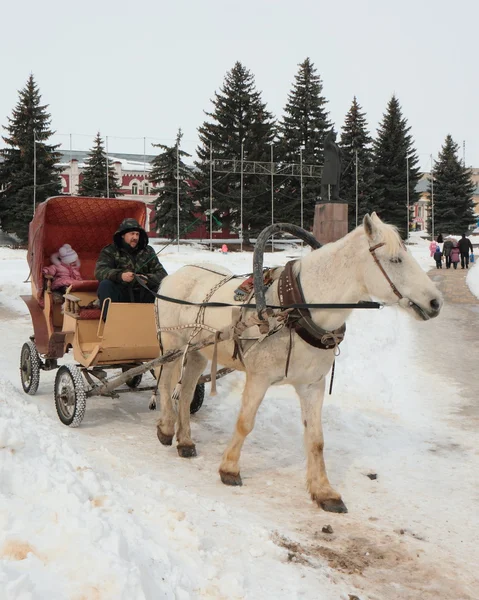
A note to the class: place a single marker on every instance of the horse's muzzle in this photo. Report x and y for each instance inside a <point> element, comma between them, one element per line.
<point>431,312</point>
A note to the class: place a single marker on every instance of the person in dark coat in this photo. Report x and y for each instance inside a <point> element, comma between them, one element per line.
<point>118,263</point>
<point>440,239</point>
<point>465,247</point>
<point>446,250</point>
<point>438,257</point>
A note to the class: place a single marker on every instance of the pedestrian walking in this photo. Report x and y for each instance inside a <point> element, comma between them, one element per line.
<point>432,248</point>
<point>446,251</point>
<point>438,258</point>
<point>455,255</point>
<point>465,247</point>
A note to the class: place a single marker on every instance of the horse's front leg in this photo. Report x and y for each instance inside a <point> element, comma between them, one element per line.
<point>194,366</point>
<point>312,396</point>
<point>253,393</point>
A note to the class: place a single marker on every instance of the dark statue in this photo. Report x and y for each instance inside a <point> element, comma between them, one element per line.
<point>331,174</point>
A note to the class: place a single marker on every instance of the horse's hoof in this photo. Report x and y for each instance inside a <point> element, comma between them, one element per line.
<point>166,440</point>
<point>186,451</point>
<point>230,478</point>
<point>336,506</point>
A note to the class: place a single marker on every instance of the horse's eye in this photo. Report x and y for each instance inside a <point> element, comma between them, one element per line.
<point>396,259</point>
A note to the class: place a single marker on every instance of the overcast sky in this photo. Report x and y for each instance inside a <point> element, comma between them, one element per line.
<point>142,69</point>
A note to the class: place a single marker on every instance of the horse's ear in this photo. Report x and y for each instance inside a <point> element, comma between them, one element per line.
<point>374,217</point>
<point>370,228</point>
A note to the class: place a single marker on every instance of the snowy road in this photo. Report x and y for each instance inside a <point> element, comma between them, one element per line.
<point>398,410</point>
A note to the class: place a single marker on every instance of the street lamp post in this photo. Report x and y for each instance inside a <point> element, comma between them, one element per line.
<point>432,199</point>
<point>35,142</point>
<point>34,172</point>
<point>301,181</point>
<point>178,194</point>
<point>357,189</point>
<point>407,196</point>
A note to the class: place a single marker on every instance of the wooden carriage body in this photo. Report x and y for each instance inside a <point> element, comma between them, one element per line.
<point>87,224</point>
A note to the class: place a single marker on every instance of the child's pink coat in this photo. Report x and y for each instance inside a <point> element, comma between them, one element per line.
<point>63,275</point>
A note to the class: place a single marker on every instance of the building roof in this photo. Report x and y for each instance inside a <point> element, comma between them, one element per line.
<point>82,155</point>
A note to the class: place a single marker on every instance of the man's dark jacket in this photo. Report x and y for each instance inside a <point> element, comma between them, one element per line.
<point>448,246</point>
<point>119,257</point>
<point>464,245</point>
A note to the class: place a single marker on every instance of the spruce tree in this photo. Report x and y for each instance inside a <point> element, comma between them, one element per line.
<point>28,127</point>
<point>239,119</point>
<point>164,175</point>
<point>356,141</point>
<point>391,147</point>
<point>93,181</point>
<point>453,191</point>
<point>304,125</point>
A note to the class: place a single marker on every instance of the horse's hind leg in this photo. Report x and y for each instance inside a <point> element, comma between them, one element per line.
<point>195,365</point>
<point>321,491</point>
<point>165,427</point>
<point>253,394</point>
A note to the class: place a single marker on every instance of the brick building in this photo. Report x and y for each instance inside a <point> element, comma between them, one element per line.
<point>132,172</point>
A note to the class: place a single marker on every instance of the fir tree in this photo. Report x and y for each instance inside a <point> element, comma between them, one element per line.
<point>166,168</point>
<point>28,127</point>
<point>93,180</point>
<point>304,125</point>
<point>391,149</point>
<point>453,191</point>
<point>356,141</point>
<point>239,120</point>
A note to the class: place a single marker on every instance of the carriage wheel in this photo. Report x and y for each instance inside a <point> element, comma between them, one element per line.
<point>30,368</point>
<point>135,381</point>
<point>70,395</point>
<point>198,398</point>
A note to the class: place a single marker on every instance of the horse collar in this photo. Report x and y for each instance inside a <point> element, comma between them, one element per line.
<point>290,292</point>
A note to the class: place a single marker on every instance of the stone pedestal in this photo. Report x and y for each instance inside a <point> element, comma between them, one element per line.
<point>330,222</point>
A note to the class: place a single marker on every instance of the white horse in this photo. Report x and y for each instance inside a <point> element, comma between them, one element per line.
<point>369,263</point>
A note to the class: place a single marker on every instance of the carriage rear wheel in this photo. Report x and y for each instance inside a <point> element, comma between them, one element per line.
<point>70,395</point>
<point>30,368</point>
<point>134,381</point>
<point>198,398</point>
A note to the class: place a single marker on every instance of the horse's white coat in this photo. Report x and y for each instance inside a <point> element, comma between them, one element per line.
<point>341,272</point>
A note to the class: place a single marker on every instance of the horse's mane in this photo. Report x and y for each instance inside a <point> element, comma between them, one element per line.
<point>389,235</point>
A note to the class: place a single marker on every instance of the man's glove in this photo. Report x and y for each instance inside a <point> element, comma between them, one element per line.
<point>143,278</point>
<point>153,283</point>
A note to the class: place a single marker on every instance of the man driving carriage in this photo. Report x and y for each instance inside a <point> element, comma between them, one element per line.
<point>118,263</point>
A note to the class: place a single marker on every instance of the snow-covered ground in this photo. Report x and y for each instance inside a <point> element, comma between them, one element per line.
<point>105,512</point>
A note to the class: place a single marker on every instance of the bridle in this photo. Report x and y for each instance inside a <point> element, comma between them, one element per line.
<point>372,249</point>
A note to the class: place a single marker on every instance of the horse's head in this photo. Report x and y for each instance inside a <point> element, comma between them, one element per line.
<point>392,275</point>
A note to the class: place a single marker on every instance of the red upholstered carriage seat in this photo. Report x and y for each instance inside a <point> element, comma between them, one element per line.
<point>88,285</point>
<point>87,314</point>
<point>87,224</point>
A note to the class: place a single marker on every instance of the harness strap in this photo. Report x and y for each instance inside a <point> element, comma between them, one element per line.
<point>376,260</point>
<point>289,291</point>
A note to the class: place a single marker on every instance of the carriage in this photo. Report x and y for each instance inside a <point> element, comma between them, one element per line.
<point>70,324</point>
<point>275,339</point>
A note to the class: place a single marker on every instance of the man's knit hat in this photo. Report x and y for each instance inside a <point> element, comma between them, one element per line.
<point>129,225</point>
